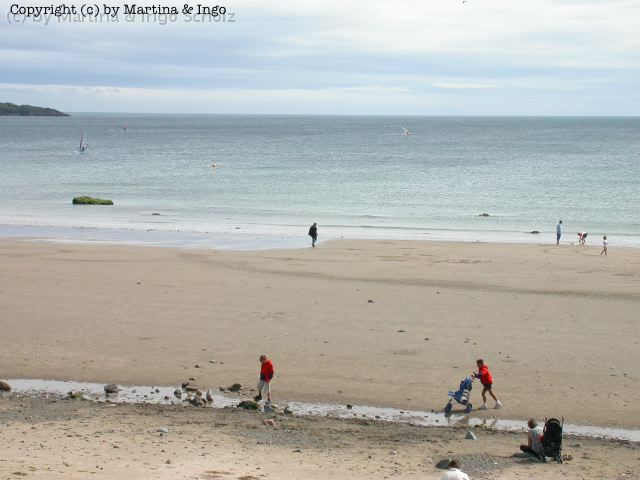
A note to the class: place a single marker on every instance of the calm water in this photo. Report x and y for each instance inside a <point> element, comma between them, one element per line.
<point>355,176</point>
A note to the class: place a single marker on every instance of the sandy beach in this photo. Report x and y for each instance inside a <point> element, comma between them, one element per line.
<point>72,439</point>
<point>364,322</point>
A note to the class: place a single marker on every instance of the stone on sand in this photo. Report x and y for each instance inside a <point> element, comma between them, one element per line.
<point>111,388</point>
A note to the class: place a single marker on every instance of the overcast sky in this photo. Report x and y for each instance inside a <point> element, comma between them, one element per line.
<point>423,57</point>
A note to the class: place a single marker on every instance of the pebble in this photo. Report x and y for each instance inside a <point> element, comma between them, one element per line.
<point>111,388</point>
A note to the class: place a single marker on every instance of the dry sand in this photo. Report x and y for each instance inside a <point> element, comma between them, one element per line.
<point>73,439</point>
<point>558,326</point>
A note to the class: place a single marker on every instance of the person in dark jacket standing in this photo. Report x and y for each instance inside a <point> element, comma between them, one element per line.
<point>313,233</point>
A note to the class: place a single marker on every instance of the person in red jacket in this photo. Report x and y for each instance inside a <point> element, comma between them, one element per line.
<point>487,382</point>
<point>266,375</point>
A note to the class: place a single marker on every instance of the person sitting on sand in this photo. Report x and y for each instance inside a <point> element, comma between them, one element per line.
<point>534,440</point>
<point>266,375</point>
<point>454,472</point>
<point>487,382</point>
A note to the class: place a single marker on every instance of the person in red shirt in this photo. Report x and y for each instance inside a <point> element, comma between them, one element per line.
<point>266,375</point>
<point>487,382</point>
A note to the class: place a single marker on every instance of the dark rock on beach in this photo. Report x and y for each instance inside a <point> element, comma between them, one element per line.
<point>91,201</point>
<point>535,232</point>
<point>5,387</point>
<point>248,405</point>
<point>236,387</point>
<point>111,388</point>
<point>484,215</point>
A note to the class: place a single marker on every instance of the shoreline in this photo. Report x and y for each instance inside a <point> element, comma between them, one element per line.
<point>149,315</point>
<point>239,239</point>
<point>164,395</point>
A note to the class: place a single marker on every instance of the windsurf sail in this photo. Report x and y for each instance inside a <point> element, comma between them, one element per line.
<point>83,145</point>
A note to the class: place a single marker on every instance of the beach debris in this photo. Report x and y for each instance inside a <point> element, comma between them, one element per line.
<point>443,464</point>
<point>209,396</point>
<point>535,232</point>
<point>163,430</point>
<point>567,457</point>
<point>470,436</point>
<point>402,331</point>
<point>236,387</point>
<point>111,388</point>
<point>269,421</point>
<point>91,201</point>
<point>4,387</point>
<point>193,379</point>
<point>249,405</point>
<point>212,361</point>
<point>484,215</point>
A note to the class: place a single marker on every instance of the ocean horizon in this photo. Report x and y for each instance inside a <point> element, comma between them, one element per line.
<point>357,176</point>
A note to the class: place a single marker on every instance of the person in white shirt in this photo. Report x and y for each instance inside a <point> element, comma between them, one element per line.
<point>454,472</point>
<point>534,444</point>
<point>605,242</point>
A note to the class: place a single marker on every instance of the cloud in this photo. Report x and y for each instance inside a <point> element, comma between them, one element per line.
<point>446,57</point>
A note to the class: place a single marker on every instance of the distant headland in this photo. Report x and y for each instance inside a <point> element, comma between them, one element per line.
<point>11,109</point>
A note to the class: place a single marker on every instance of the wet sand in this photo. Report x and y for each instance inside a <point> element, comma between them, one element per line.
<point>557,325</point>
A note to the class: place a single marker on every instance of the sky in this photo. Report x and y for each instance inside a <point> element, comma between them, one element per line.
<point>422,57</point>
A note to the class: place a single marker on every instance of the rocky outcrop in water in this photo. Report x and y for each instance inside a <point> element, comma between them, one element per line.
<point>91,201</point>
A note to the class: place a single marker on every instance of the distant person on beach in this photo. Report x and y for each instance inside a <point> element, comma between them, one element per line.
<point>582,238</point>
<point>534,440</point>
<point>313,233</point>
<point>558,232</point>
<point>266,375</point>
<point>454,472</point>
<point>487,383</point>
<point>605,242</point>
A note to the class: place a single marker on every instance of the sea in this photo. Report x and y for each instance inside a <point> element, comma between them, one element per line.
<point>356,176</point>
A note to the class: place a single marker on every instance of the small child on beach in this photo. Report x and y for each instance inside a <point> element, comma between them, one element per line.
<point>266,375</point>
<point>605,242</point>
<point>487,382</point>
